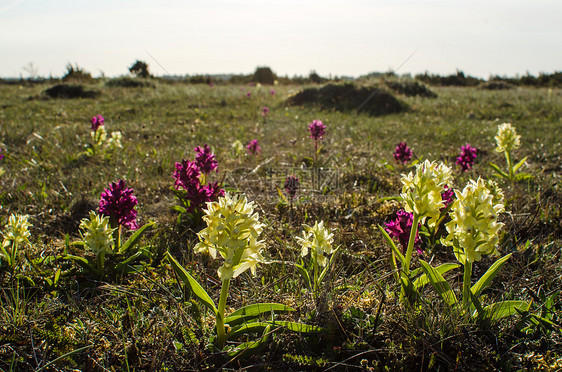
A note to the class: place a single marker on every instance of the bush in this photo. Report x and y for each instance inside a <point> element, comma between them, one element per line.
<point>76,73</point>
<point>264,75</point>
<point>127,82</point>
<point>140,69</point>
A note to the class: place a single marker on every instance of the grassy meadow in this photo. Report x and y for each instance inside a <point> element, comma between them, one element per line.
<point>55,315</point>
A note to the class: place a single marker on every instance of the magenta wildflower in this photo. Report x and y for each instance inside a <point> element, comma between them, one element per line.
<point>272,92</point>
<point>400,228</point>
<point>291,185</point>
<point>248,94</point>
<point>1,155</point>
<point>205,159</point>
<point>265,111</point>
<point>214,191</point>
<point>254,147</point>
<point>447,196</point>
<point>186,174</point>
<point>118,203</point>
<point>97,121</point>
<point>402,153</point>
<point>317,130</point>
<point>467,157</point>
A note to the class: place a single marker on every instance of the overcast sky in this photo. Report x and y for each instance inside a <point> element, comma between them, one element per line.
<point>337,37</point>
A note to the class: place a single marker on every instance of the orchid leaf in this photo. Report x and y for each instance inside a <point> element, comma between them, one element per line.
<point>130,243</point>
<point>192,284</point>
<point>503,309</point>
<point>255,310</point>
<point>251,347</point>
<point>500,172</point>
<point>392,245</point>
<point>420,282</point>
<point>485,279</point>
<point>440,284</point>
<point>518,165</point>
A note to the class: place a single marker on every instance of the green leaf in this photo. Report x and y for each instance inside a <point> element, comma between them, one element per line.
<point>255,310</point>
<point>439,283</point>
<point>518,165</point>
<point>82,262</point>
<point>244,328</point>
<point>523,176</point>
<point>485,279</point>
<point>297,327</point>
<point>251,347</point>
<point>421,282</point>
<point>192,284</point>
<point>392,245</point>
<point>500,172</point>
<point>178,208</point>
<point>123,264</point>
<point>130,243</point>
<point>504,309</point>
<point>282,195</point>
<point>305,275</point>
<point>325,271</point>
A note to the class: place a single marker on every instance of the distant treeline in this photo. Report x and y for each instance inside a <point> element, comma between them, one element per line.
<point>264,75</point>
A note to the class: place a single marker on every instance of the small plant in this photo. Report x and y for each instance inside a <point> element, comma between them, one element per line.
<point>466,158</point>
<point>402,154</point>
<point>16,233</point>
<point>508,140</point>
<point>473,233</point>
<point>318,241</point>
<point>191,185</point>
<point>253,147</point>
<point>101,234</point>
<point>265,111</point>
<point>317,130</point>
<point>232,232</point>
<point>421,194</point>
<point>100,141</point>
<point>291,187</point>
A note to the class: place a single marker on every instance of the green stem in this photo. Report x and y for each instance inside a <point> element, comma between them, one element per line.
<point>466,283</point>
<point>411,240</point>
<point>221,334</point>
<point>315,276</point>
<point>13,254</point>
<point>509,164</point>
<point>101,262</point>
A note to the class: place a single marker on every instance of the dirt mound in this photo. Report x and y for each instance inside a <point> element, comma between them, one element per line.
<point>69,91</point>
<point>410,88</point>
<point>348,97</point>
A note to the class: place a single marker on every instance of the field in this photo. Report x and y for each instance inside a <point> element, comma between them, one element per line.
<point>142,314</point>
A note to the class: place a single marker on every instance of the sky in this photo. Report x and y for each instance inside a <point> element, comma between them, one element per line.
<point>292,37</point>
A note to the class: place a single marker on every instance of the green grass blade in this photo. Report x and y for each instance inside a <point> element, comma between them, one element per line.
<point>485,279</point>
<point>193,285</point>
<point>440,284</point>
<point>503,309</point>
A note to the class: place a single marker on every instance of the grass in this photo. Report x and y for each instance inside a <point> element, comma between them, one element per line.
<point>146,321</point>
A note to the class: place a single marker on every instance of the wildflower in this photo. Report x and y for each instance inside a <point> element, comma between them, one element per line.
<point>272,92</point>
<point>254,147</point>
<point>205,159</point>
<point>473,229</point>
<point>114,142</point>
<point>291,185</point>
<point>118,203</point>
<point>317,130</point>
<point>466,157</point>
<point>507,138</point>
<point>265,111</point>
<point>1,155</point>
<point>186,174</point>
<point>318,240</point>
<point>422,191</point>
<point>400,229</point>
<point>97,234</point>
<point>402,153</point>
<point>97,121</point>
<point>496,191</point>
<point>447,196</point>
<point>17,229</point>
<point>99,135</point>
<point>232,230</point>
<point>248,94</point>
<point>237,148</point>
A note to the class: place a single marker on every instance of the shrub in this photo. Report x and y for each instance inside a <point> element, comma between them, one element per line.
<point>264,75</point>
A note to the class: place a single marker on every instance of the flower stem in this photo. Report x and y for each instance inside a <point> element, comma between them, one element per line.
<point>411,240</point>
<point>509,165</point>
<point>221,334</point>
<point>466,283</point>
